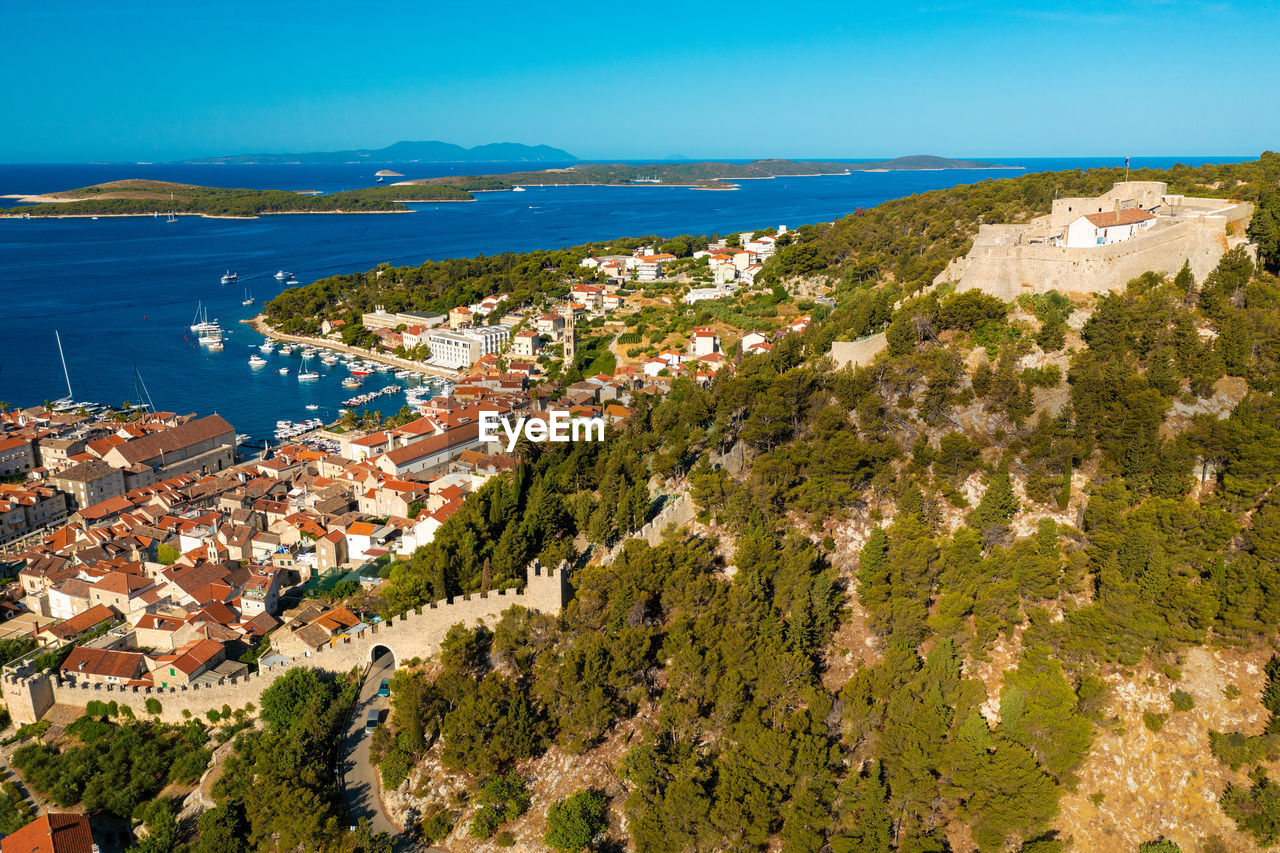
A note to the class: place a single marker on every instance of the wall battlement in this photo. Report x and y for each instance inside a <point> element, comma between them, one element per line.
<point>1009,260</point>
<point>416,633</point>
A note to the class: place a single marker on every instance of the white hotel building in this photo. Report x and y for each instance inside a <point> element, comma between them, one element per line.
<point>461,349</point>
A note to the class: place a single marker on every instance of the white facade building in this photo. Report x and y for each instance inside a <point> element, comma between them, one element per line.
<point>461,349</point>
<point>1100,229</point>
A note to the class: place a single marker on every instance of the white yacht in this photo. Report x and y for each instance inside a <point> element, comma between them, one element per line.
<point>256,361</point>
<point>308,377</point>
<point>248,299</point>
<point>517,189</point>
<point>284,371</point>
<point>267,347</point>
<point>281,275</point>
<point>229,277</point>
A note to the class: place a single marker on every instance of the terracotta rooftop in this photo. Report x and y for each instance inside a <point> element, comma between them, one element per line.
<point>52,833</point>
<point>1128,216</point>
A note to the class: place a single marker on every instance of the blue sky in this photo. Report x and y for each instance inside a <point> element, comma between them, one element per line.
<point>113,80</point>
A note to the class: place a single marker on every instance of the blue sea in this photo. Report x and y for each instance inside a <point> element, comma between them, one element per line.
<point>122,292</point>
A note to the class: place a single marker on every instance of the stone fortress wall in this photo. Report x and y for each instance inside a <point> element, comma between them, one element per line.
<point>1009,260</point>
<point>860,352</point>
<point>417,633</point>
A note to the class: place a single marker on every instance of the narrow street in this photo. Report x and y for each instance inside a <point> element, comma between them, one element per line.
<point>359,777</point>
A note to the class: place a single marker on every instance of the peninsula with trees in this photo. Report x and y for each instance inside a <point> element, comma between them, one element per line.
<point>148,198</point>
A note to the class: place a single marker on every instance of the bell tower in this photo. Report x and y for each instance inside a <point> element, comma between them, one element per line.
<point>568,336</point>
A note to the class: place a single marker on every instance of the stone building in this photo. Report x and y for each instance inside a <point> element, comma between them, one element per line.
<point>1095,245</point>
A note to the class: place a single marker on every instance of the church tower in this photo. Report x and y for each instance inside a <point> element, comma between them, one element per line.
<point>568,336</point>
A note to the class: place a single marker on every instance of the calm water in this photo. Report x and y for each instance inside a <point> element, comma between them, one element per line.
<point>122,291</point>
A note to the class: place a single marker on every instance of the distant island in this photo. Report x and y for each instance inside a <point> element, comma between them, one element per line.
<point>159,198</point>
<point>147,197</point>
<point>402,152</point>
<point>706,175</point>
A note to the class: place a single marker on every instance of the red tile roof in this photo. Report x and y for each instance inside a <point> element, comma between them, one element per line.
<point>52,833</point>
<point>1128,216</point>
<point>82,622</point>
<point>84,660</point>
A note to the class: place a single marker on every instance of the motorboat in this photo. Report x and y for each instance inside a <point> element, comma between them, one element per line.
<point>308,376</point>
<point>256,361</point>
<point>229,277</point>
<point>267,347</point>
<point>284,371</point>
<point>311,407</point>
<point>351,382</point>
<point>281,275</point>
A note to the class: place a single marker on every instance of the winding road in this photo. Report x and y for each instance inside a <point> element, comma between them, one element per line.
<point>359,776</point>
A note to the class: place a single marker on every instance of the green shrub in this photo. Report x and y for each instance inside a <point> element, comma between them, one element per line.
<point>1181,700</point>
<point>395,767</point>
<point>574,823</point>
<point>1154,721</point>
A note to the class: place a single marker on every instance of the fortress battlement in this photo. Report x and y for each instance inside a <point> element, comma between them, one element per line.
<point>1007,260</point>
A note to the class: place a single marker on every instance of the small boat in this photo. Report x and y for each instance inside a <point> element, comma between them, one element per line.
<point>229,277</point>
<point>351,382</point>
<point>517,189</point>
<point>291,280</point>
<point>256,361</point>
<point>248,300</point>
<point>308,353</point>
<point>379,180</point>
<point>172,219</point>
<point>361,372</point>
<point>312,407</point>
<point>214,346</point>
<point>267,347</point>
<point>284,371</point>
<point>308,377</point>
<point>281,275</point>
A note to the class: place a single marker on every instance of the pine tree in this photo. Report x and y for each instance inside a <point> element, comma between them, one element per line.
<point>997,506</point>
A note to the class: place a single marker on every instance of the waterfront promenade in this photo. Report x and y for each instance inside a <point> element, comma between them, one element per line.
<point>263,328</point>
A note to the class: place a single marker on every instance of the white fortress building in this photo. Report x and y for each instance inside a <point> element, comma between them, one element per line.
<point>1094,245</point>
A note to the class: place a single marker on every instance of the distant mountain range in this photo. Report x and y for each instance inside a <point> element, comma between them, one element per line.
<point>405,152</point>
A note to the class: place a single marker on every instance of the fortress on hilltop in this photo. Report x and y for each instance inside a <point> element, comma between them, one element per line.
<point>1095,245</point>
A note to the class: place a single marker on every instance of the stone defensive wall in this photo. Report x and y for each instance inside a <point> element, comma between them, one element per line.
<point>1004,264</point>
<point>677,511</point>
<point>860,352</point>
<point>416,634</point>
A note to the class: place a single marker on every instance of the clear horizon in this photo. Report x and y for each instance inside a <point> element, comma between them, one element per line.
<point>868,81</point>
